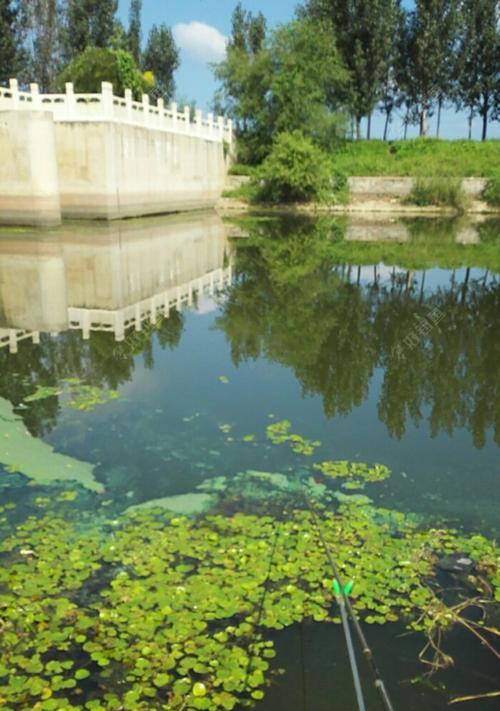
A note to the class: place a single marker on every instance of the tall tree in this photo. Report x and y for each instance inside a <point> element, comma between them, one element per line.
<point>428,57</point>
<point>40,38</point>
<point>161,57</point>
<point>479,60</point>
<point>8,40</point>
<point>391,95</point>
<point>296,80</point>
<point>449,42</point>
<point>88,23</point>
<point>364,31</point>
<point>134,30</point>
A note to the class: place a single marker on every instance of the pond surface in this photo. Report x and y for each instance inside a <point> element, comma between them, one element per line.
<point>157,353</point>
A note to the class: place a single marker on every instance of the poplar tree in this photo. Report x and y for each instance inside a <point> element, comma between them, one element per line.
<point>8,40</point>
<point>40,42</point>
<point>478,81</point>
<point>364,31</point>
<point>134,30</point>
<point>427,57</point>
<point>88,23</point>
<point>161,57</point>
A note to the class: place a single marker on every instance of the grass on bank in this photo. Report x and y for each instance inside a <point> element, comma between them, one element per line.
<point>438,191</point>
<point>296,170</point>
<point>420,157</point>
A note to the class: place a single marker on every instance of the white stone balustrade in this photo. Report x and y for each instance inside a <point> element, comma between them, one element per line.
<point>108,107</point>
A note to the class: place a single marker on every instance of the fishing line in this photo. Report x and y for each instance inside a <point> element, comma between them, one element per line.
<point>346,609</point>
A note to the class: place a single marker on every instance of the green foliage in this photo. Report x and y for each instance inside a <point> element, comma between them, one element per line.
<point>134,30</point>
<point>279,433</point>
<point>88,23</point>
<point>478,85</point>
<point>292,81</point>
<point>438,191</point>
<point>295,171</point>
<point>161,57</point>
<point>8,40</point>
<point>491,192</point>
<point>40,42</point>
<point>96,65</point>
<point>171,611</point>
<point>356,474</point>
<point>78,395</point>
<point>365,32</point>
<point>424,157</point>
<point>301,276</point>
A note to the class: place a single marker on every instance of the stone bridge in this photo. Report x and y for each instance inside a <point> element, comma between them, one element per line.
<point>100,156</point>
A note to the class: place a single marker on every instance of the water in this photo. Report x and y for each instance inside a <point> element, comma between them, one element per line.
<point>385,354</point>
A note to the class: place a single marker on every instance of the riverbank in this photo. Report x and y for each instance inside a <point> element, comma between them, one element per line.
<point>366,195</point>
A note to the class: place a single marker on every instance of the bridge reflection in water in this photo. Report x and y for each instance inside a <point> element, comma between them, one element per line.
<point>108,277</point>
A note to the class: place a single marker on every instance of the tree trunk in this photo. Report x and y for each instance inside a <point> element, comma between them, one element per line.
<point>406,126</point>
<point>369,127</point>
<point>386,124</point>
<point>438,125</point>
<point>485,125</point>
<point>423,121</point>
<point>358,128</point>
<point>470,124</point>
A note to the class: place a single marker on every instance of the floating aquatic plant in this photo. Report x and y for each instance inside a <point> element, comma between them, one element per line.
<point>355,473</point>
<point>279,433</point>
<point>169,611</point>
<point>79,395</point>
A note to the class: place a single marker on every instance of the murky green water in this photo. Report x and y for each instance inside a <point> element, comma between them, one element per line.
<point>385,350</point>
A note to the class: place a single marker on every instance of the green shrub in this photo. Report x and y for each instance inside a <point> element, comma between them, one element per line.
<point>491,192</point>
<point>295,171</point>
<point>95,65</point>
<point>439,191</point>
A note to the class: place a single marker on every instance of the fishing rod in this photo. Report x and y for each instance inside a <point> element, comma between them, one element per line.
<point>341,593</point>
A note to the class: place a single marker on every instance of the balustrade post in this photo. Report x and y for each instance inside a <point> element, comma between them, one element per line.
<point>173,109</point>
<point>128,104</point>
<point>198,119</point>
<point>145,109</point>
<point>107,99</point>
<point>14,90</point>
<point>70,101</point>
<point>35,95</point>
<point>220,126</point>
<point>187,118</point>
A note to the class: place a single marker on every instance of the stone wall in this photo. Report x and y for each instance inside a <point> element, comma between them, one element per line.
<point>110,170</point>
<point>29,185</point>
<point>98,156</point>
<point>401,186</point>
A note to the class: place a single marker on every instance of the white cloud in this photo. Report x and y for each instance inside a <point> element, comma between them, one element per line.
<point>202,42</point>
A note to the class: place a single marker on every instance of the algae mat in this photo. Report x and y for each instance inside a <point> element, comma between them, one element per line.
<point>20,452</point>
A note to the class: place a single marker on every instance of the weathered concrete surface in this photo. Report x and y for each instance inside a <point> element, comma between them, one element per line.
<point>401,186</point>
<point>29,184</point>
<point>110,170</point>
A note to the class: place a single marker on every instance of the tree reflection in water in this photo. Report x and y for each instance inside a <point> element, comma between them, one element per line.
<point>299,301</point>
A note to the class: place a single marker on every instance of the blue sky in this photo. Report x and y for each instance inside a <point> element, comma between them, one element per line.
<point>200,28</point>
